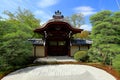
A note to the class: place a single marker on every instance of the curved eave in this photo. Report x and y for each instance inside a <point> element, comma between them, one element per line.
<point>58,21</point>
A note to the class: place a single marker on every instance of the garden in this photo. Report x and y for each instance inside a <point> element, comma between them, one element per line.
<point>16,51</point>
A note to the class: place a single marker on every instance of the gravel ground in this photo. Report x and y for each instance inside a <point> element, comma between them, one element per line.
<point>60,72</point>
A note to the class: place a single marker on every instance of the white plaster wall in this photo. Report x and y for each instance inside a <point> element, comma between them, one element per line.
<point>40,51</point>
<point>83,47</point>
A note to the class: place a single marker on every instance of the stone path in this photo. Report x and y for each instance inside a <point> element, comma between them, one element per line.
<point>55,59</point>
<point>60,72</point>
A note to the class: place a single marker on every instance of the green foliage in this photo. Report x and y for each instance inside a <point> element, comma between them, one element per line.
<point>15,50</point>
<point>116,62</point>
<point>23,16</point>
<point>105,35</point>
<point>81,56</point>
<point>82,35</point>
<point>100,17</point>
<point>94,55</point>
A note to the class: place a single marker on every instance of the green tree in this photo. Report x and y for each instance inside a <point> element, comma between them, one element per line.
<point>116,62</point>
<point>15,50</point>
<point>105,35</point>
<point>82,35</point>
<point>76,19</point>
<point>23,16</point>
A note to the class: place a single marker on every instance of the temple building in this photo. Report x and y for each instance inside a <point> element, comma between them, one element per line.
<point>57,38</point>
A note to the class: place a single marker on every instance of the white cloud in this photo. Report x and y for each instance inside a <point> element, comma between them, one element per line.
<point>85,10</point>
<point>86,27</point>
<point>44,16</point>
<point>47,3</point>
<point>5,5</point>
<point>12,5</point>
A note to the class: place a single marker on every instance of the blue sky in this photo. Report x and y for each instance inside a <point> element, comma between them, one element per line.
<point>44,9</point>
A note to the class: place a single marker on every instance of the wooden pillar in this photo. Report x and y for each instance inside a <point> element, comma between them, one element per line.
<point>69,53</point>
<point>79,47</point>
<point>45,43</point>
<point>69,43</point>
<point>88,46</point>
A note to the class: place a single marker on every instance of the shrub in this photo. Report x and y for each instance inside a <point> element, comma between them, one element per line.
<point>22,60</point>
<point>13,63</point>
<point>116,62</point>
<point>81,56</point>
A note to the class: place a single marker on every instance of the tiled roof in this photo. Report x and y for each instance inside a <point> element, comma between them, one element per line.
<point>36,41</point>
<point>74,41</point>
<point>80,42</point>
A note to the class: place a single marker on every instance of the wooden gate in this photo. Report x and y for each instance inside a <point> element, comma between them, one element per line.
<point>57,48</point>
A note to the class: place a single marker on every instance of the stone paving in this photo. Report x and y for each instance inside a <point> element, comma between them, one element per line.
<point>55,59</point>
<point>60,72</point>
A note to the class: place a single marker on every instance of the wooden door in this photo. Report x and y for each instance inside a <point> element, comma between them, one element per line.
<point>57,48</point>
